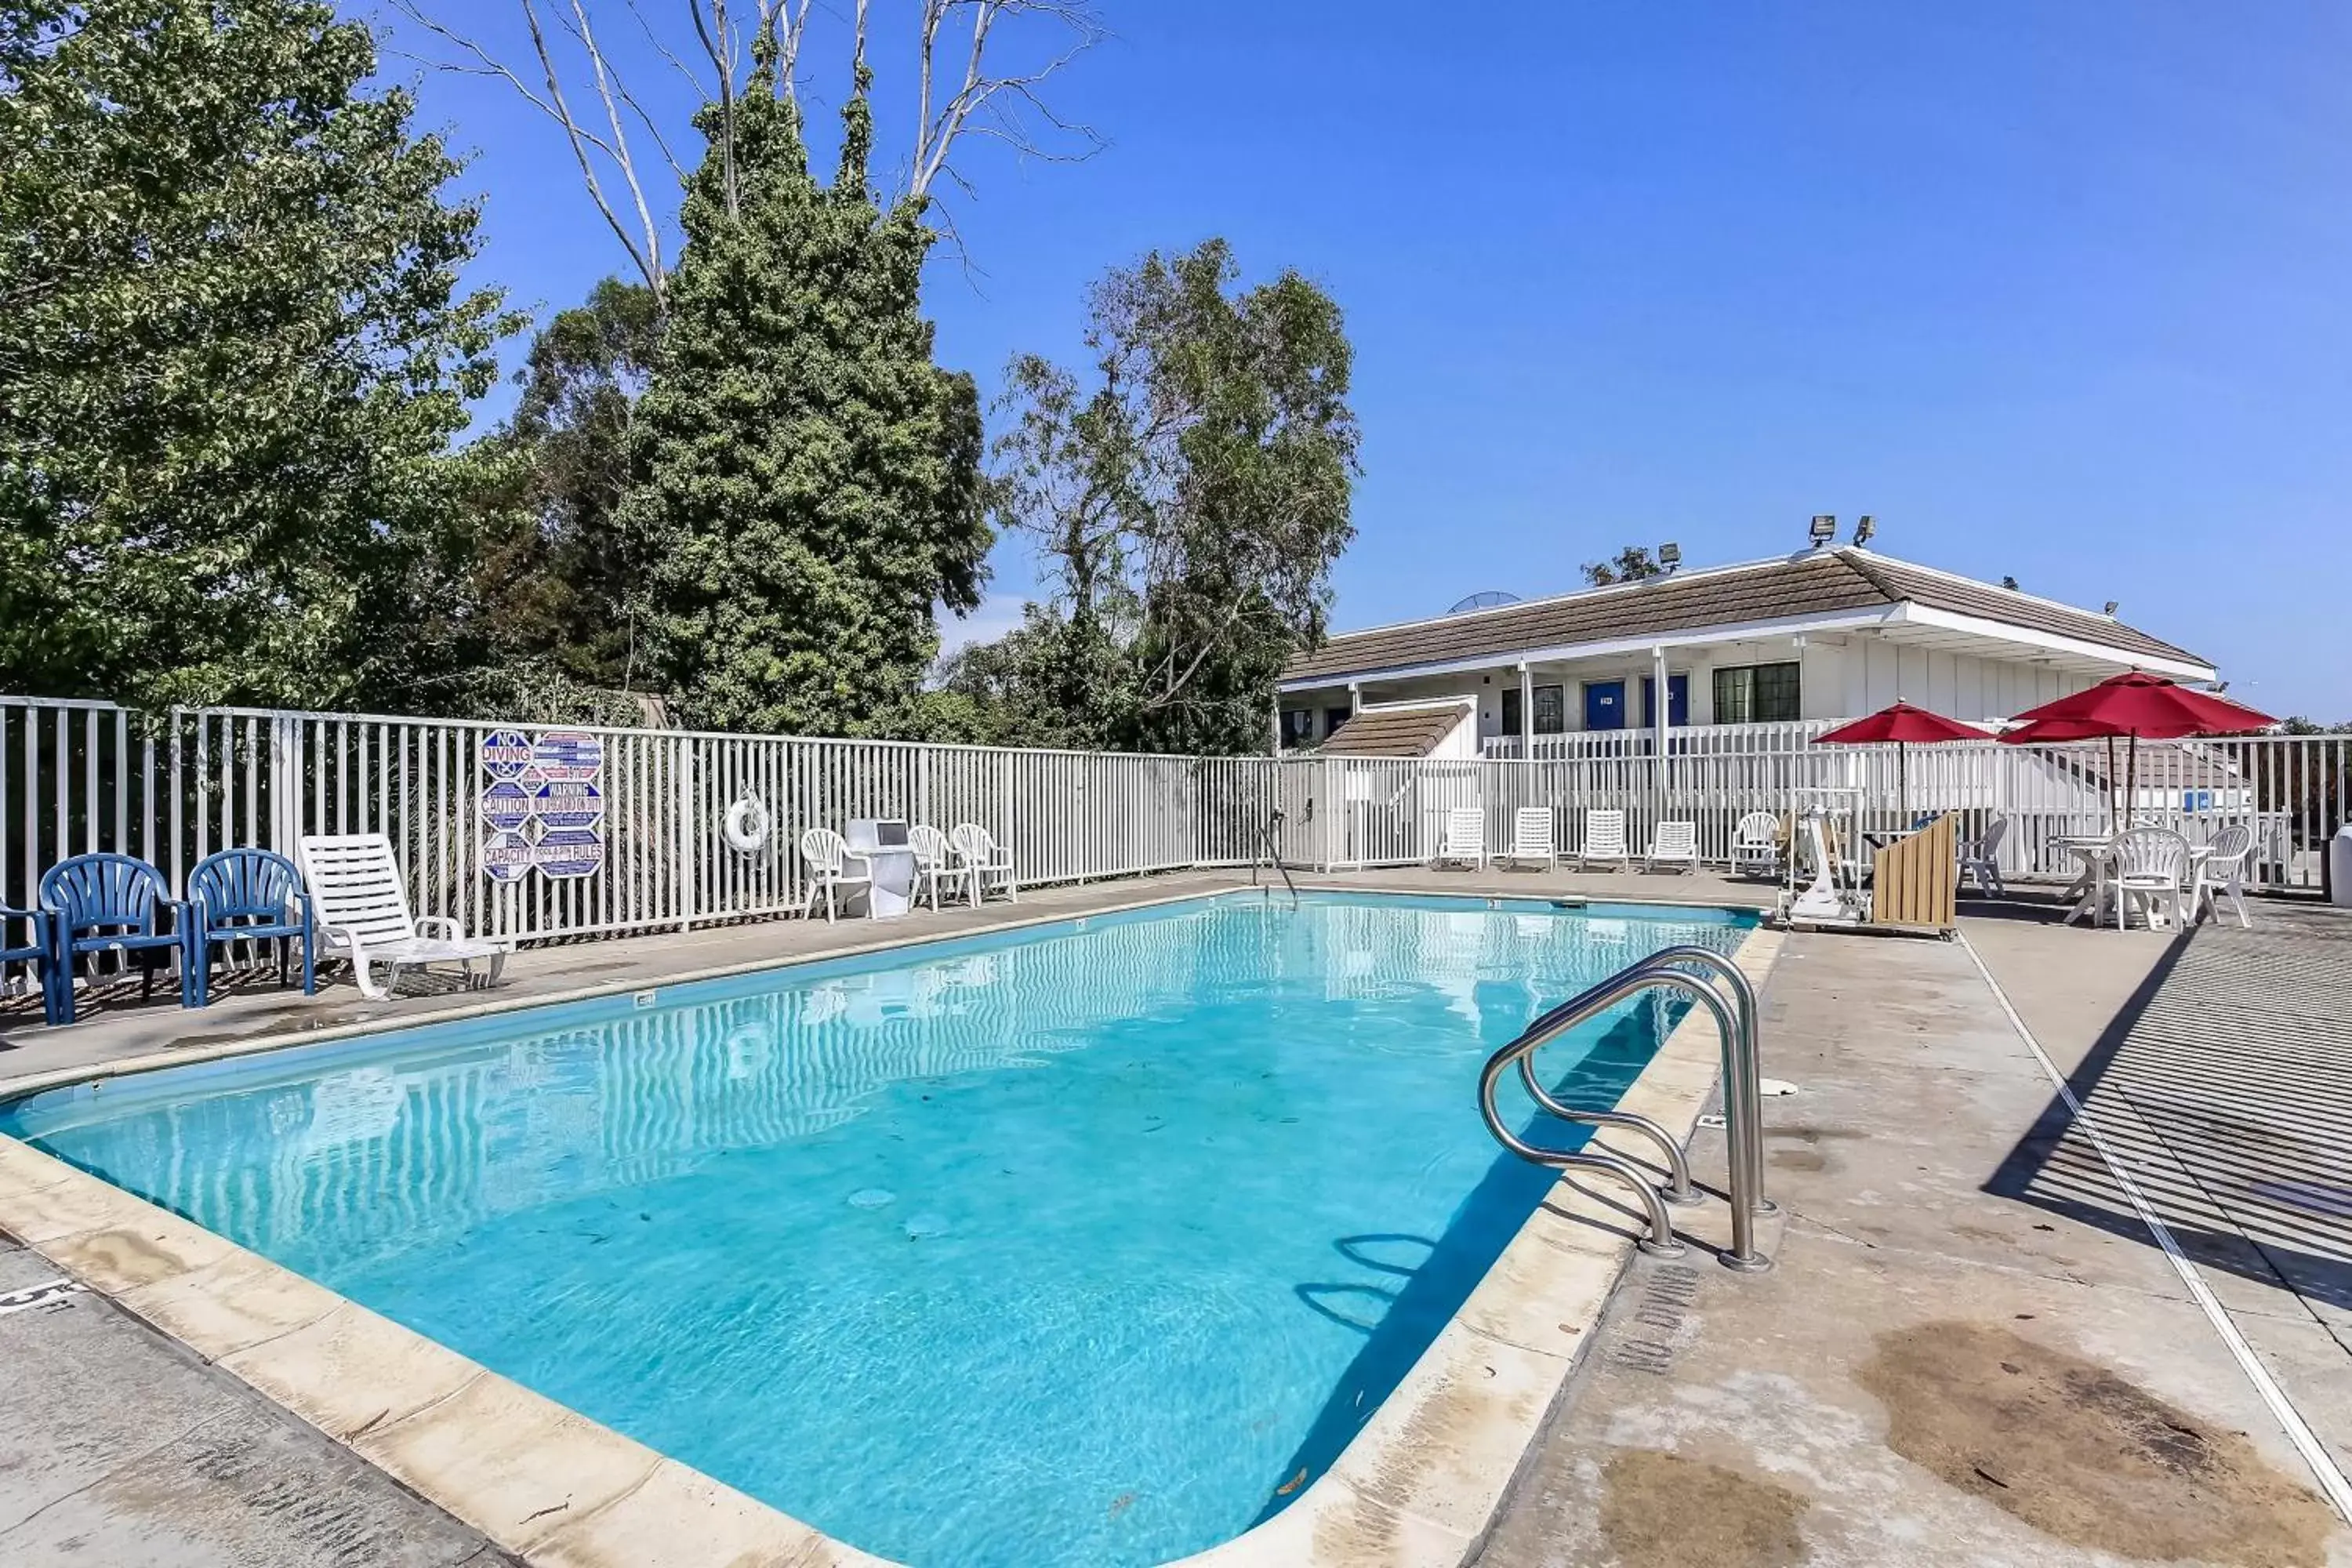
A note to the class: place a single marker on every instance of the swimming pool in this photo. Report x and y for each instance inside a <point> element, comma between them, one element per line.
<point>1091,1242</point>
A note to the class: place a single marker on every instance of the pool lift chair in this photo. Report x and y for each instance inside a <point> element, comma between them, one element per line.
<point>1825,829</point>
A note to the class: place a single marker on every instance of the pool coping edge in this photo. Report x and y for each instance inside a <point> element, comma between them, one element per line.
<point>1417,1487</point>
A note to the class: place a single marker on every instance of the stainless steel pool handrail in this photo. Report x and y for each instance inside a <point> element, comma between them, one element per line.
<point>1749,1080</point>
<point>1273,845</point>
<point>1743,1099</point>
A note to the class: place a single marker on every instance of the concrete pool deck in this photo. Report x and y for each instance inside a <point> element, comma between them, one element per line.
<point>1905,1061</point>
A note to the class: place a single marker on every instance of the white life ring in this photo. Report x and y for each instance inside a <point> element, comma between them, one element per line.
<point>748,825</point>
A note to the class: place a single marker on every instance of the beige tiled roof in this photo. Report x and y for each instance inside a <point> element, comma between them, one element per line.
<point>1900,580</point>
<point>1818,582</point>
<point>1395,732</point>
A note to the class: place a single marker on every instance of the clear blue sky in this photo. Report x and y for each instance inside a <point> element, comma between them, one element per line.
<point>2058,291</point>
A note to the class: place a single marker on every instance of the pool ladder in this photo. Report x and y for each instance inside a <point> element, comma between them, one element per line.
<point>1669,969</point>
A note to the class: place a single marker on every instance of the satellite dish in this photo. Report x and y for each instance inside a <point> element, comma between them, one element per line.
<point>1487,600</point>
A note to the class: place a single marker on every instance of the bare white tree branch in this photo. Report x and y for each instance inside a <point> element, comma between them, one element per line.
<point>644,248</point>
<point>1003,97</point>
<point>953,108</point>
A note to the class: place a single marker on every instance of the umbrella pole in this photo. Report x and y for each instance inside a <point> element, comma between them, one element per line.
<point>1902,785</point>
<point>2131,778</point>
<point>2111,787</point>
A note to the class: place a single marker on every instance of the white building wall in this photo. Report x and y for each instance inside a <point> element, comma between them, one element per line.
<point>1843,677</point>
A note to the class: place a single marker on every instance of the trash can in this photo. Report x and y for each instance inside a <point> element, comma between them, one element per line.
<point>2339,867</point>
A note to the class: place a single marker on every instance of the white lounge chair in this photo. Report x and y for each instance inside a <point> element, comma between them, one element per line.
<point>1675,843</point>
<point>980,859</point>
<point>827,856</point>
<point>1466,837</point>
<point>934,858</point>
<point>1981,858</point>
<point>1756,843</point>
<point>1532,837</point>
<point>361,903</point>
<point>2150,864</point>
<point>1605,839</point>
<point>2223,873</point>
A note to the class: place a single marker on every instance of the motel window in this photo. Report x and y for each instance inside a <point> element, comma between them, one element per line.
<point>1551,710</point>
<point>1297,726</point>
<point>1335,717</point>
<point>1756,694</point>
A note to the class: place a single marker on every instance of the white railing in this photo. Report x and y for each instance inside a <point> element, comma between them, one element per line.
<point>2292,791</point>
<point>172,788</point>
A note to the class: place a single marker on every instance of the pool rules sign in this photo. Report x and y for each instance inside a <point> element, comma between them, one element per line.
<point>543,809</point>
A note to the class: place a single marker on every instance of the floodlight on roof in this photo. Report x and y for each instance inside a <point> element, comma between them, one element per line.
<point>2110,607</point>
<point>1670,555</point>
<point>1825,529</point>
<point>1864,528</point>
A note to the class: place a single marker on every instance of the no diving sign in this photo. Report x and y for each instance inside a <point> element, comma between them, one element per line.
<point>544,809</point>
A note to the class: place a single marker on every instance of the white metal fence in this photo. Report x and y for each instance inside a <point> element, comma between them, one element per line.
<point>172,788</point>
<point>2292,791</point>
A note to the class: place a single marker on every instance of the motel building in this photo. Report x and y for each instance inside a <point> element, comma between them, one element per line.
<point>1832,632</point>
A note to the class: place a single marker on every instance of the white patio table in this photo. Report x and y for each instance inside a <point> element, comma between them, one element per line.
<point>2097,854</point>
<point>2089,889</point>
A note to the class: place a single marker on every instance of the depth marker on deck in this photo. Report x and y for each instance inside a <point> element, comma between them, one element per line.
<point>2306,1443</point>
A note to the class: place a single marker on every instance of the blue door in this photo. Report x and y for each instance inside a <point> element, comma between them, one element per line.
<point>1604,704</point>
<point>1677,701</point>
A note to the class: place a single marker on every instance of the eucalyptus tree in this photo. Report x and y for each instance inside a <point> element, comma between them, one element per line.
<point>1188,498</point>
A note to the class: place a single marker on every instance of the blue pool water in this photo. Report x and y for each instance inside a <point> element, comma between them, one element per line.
<point>1075,1245</point>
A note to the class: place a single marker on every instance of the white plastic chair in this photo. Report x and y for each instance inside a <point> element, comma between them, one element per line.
<point>827,856</point>
<point>980,858</point>
<point>1756,843</point>
<point>1676,843</point>
<point>2150,864</point>
<point>1532,838</point>
<point>1466,837</point>
<point>2223,873</point>
<point>1605,839</point>
<point>1981,858</point>
<point>361,904</point>
<point>934,858</point>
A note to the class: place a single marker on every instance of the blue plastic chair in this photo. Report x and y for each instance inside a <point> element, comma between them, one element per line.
<point>36,953</point>
<point>98,903</point>
<point>247,895</point>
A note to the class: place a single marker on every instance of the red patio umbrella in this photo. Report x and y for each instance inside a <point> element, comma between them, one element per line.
<point>1906,726</point>
<point>2136,704</point>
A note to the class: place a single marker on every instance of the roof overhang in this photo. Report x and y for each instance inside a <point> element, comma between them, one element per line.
<point>1790,626</point>
<point>1958,633</point>
<point>1907,622</point>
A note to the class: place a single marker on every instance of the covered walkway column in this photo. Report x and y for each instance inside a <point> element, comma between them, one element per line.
<point>1661,706</point>
<point>1527,712</point>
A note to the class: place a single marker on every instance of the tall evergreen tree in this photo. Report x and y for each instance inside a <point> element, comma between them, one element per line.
<point>810,484</point>
<point>232,351</point>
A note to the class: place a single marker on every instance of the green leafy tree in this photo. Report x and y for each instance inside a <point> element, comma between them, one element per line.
<point>809,481</point>
<point>1052,682</point>
<point>233,352</point>
<point>532,608</point>
<point>1631,565</point>
<point>1189,504</point>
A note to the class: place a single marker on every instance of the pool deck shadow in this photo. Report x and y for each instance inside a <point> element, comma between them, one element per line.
<point>1942,1370</point>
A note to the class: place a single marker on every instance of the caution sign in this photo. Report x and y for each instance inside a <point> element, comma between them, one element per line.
<point>544,809</point>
